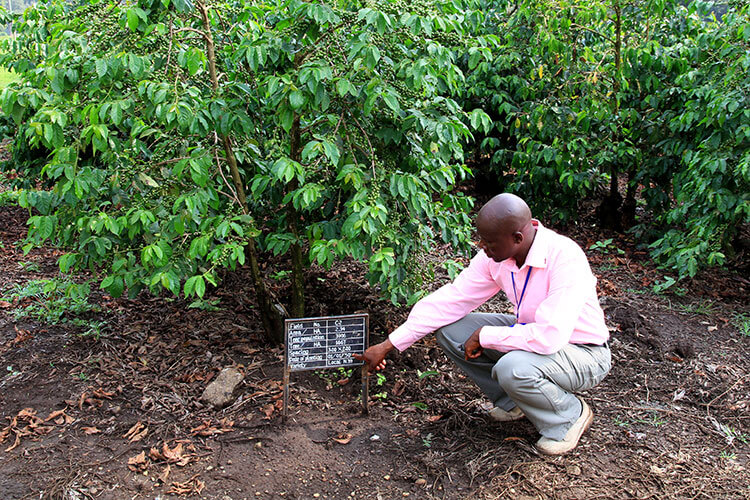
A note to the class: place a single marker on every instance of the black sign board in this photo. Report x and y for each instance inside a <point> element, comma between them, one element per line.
<point>325,342</point>
<point>317,343</point>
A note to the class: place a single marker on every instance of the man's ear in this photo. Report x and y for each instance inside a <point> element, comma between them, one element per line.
<point>518,237</point>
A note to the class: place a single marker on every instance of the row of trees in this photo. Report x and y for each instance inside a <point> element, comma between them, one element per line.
<point>175,138</point>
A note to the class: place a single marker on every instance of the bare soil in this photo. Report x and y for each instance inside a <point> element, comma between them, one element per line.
<point>120,417</point>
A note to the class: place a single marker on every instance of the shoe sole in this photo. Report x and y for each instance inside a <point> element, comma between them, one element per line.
<point>586,425</point>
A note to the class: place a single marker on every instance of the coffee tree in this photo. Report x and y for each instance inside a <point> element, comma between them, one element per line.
<point>179,138</point>
<point>651,94</point>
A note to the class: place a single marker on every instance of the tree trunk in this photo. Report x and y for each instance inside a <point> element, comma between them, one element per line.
<point>271,315</point>
<point>298,277</point>
<point>609,209</point>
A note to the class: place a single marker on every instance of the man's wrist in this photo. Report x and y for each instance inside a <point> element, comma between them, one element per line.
<point>387,346</point>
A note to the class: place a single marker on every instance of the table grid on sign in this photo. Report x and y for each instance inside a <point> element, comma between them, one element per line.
<point>325,343</point>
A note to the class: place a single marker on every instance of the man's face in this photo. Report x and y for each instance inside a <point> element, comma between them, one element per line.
<point>497,243</point>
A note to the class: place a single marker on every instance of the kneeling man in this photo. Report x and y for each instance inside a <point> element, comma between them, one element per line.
<point>531,363</point>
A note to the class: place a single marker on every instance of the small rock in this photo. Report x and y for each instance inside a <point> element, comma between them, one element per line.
<point>374,437</point>
<point>220,392</point>
<point>420,482</point>
<point>387,477</point>
<point>316,495</point>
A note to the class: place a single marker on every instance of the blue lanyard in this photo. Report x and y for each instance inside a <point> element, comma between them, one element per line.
<point>518,302</point>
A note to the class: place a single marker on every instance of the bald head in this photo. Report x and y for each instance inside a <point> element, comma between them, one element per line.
<point>505,212</point>
<point>505,228</point>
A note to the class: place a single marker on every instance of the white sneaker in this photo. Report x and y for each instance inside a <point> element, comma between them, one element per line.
<point>500,415</point>
<point>570,441</point>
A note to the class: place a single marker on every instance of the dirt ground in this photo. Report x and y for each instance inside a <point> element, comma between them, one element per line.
<point>120,417</point>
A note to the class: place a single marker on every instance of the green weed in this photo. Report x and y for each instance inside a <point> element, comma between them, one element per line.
<point>205,304</point>
<point>653,419</point>
<point>661,287</point>
<point>742,322</point>
<point>621,423</point>
<point>607,246</point>
<point>428,373</point>
<point>55,301</point>
<point>29,266</point>
<point>703,308</point>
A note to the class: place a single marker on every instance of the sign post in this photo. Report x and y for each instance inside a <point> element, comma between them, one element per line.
<point>322,343</point>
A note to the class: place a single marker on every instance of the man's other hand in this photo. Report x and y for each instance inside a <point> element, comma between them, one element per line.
<point>374,356</point>
<point>472,348</point>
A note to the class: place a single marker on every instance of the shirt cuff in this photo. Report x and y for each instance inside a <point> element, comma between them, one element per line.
<point>493,337</point>
<point>402,338</point>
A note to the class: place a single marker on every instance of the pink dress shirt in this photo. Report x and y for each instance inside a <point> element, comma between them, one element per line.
<point>560,305</point>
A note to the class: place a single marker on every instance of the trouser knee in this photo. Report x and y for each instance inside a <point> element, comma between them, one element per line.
<point>445,342</point>
<point>514,372</point>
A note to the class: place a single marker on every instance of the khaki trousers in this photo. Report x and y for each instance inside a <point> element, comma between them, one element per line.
<point>542,386</point>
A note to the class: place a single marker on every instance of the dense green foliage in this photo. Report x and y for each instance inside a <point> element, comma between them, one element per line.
<point>177,139</point>
<point>654,93</point>
<point>337,122</point>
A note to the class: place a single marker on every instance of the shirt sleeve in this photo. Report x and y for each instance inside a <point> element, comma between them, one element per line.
<point>555,317</point>
<point>471,288</point>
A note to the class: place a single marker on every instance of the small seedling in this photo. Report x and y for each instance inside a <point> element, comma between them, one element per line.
<point>654,419</point>
<point>661,287</point>
<point>428,373</point>
<point>206,304</point>
<point>725,455</point>
<point>280,275</point>
<point>621,423</point>
<point>379,379</point>
<point>419,405</point>
<point>607,246</point>
<point>29,266</point>
<point>427,440</point>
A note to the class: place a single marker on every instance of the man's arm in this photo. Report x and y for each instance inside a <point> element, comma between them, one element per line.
<point>471,288</point>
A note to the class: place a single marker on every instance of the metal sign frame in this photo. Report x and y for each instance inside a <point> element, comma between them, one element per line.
<point>288,370</point>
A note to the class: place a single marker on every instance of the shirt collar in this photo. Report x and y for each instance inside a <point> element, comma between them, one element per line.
<point>537,256</point>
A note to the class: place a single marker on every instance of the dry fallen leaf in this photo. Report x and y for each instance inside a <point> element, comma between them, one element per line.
<point>343,438</point>
<point>136,433</point>
<point>102,394</point>
<point>5,305</point>
<point>434,418</point>
<point>164,475</point>
<point>138,462</point>
<point>54,415</point>
<point>22,336</point>
<point>268,411</point>
<point>26,413</point>
<point>191,486</point>
<point>91,430</point>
